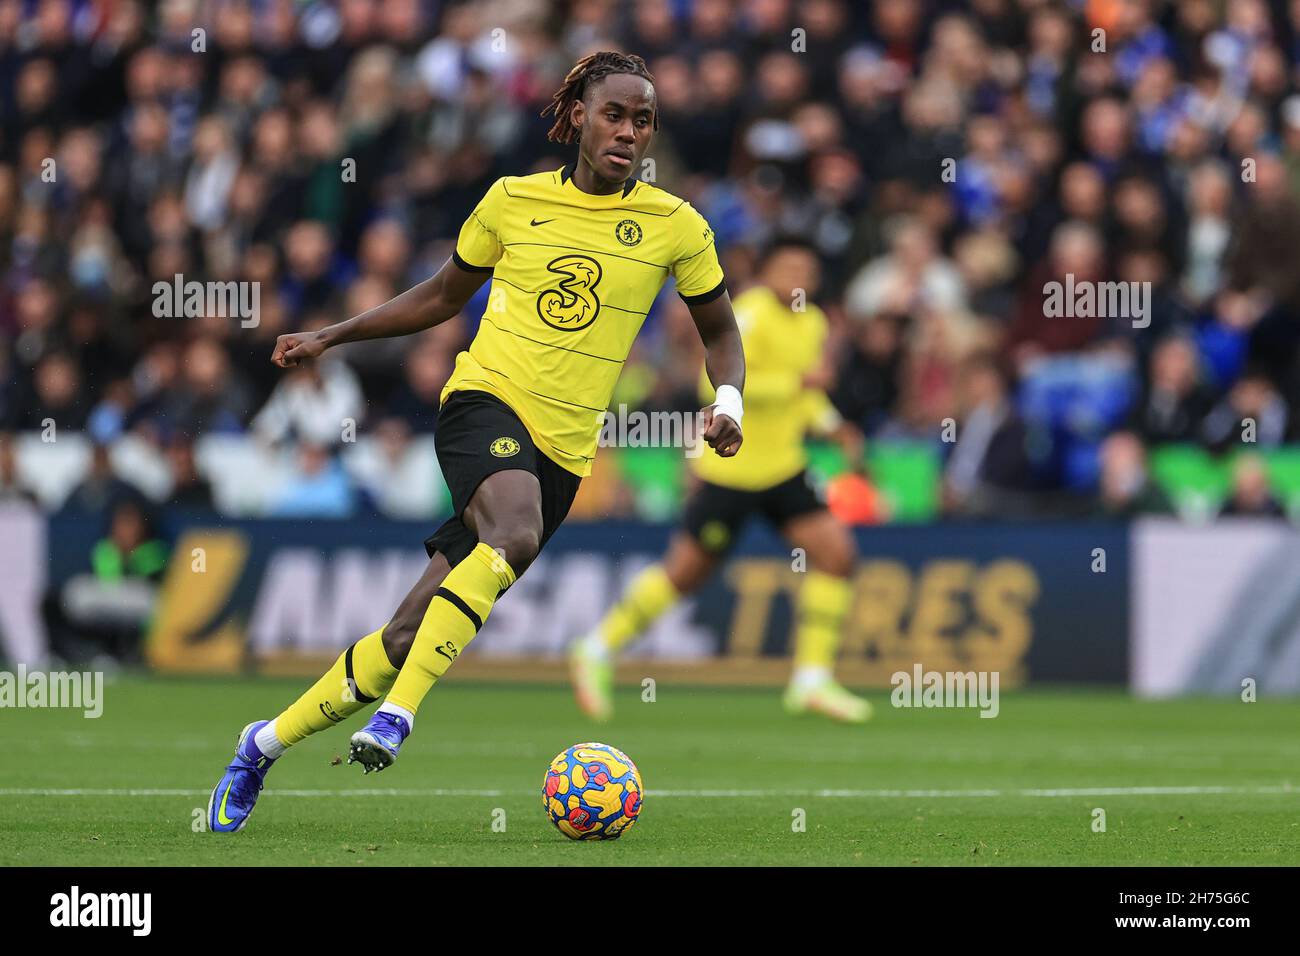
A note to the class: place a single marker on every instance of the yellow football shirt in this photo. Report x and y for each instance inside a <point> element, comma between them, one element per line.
<point>573,276</point>
<point>781,347</point>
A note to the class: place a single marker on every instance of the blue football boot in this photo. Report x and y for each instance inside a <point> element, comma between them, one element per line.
<point>236,793</point>
<point>375,745</point>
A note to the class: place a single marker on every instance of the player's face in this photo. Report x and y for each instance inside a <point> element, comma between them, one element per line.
<point>617,123</point>
<point>792,268</point>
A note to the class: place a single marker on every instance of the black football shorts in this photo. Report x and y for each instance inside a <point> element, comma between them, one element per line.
<point>478,435</point>
<point>715,516</point>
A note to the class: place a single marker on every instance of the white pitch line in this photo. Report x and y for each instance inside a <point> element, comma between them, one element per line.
<point>691,794</point>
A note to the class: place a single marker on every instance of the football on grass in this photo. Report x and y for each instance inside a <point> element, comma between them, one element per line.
<point>592,792</point>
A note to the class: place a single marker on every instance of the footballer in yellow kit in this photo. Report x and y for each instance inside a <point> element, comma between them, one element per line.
<point>767,478</point>
<point>576,256</point>
<point>563,312</point>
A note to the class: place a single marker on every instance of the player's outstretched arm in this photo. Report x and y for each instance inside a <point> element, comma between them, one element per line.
<point>724,360</point>
<point>431,302</point>
<point>853,445</point>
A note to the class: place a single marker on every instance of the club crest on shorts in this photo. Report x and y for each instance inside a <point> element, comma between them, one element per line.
<point>714,536</point>
<point>628,232</point>
<point>504,447</point>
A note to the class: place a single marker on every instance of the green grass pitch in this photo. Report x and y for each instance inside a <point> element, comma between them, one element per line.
<point>1188,782</point>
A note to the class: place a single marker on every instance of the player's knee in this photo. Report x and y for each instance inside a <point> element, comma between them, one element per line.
<point>835,557</point>
<point>688,576</point>
<point>517,542</point>
<point>684,582</point>
<point>840,562</point>
<point>840,567</point>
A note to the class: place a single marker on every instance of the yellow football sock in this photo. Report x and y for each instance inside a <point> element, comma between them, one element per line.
<point>360,676</point>
<point>820,610</point>
<point>648,595</point>
<point>455,614</point>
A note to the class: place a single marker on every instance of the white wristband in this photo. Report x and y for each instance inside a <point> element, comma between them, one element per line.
<point>727,402</point>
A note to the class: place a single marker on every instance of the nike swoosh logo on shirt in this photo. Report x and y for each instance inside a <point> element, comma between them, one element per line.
<point>540,222</point>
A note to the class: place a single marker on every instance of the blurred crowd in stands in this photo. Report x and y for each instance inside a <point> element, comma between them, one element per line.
<point>948,160</point>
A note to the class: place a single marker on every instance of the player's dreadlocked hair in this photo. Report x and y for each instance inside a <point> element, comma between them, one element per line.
<point>594,66</point>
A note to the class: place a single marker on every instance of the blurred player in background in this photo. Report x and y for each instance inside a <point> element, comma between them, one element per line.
<point>577,255</point>
<point>784,338</point>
